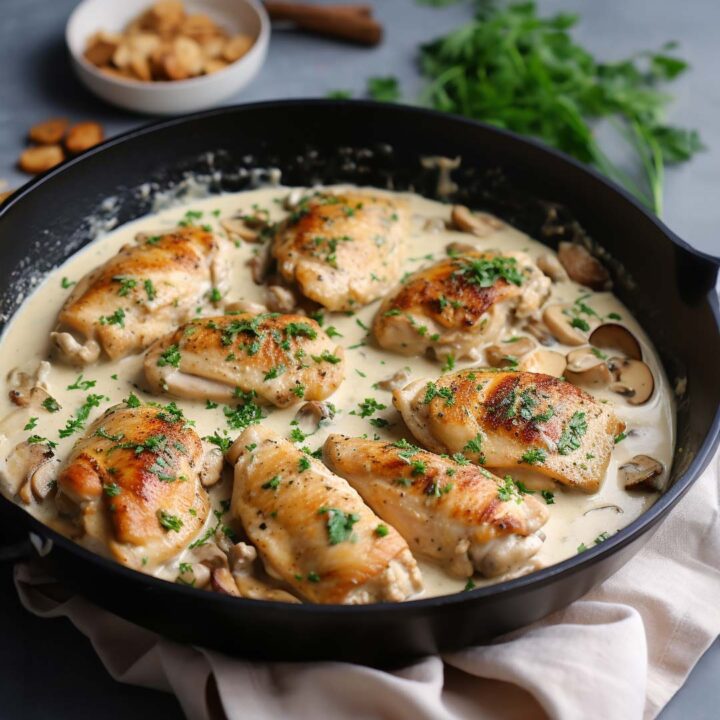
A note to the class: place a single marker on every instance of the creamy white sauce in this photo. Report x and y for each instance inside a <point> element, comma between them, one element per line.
<point>26,342</point>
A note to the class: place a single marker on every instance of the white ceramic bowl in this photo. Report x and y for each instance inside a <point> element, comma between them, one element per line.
<point>168,98</point>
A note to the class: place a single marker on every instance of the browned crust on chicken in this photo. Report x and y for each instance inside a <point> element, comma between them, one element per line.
<point>343,250</point>
<point>153,284</point>
<point>133,465</point>
<point>285,501</point>
<point>510,413</point>
<point>283,359</point>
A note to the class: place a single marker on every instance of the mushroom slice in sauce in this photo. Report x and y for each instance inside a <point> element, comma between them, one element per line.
<point>314,415</point>
<point>582,267</point>
<point>397,380</point>
<point>29,471</point>
<point>552,267</point>
<point>586,369</point>
<point>560,325</point>
<point>544,361</point>
<point>476,223</point>
<point>642,473</point>
<point>634,380</point>
<point>242,558</point>
<point>612,336</point>
<point>508,353</point>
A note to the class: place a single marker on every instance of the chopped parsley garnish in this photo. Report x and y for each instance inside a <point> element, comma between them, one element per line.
<point>77,422</point>
<point>210,404</point>
<point>246,414</point>
<point>332,332</point>
<point>548,497</point>
<point>326,356</point>
<point>222,441</point>
<point>300,329</point>
<point>433,391</point>
<point>51,404</point>
<point>313,577</point>
<point>112,489</point>
<point>368,407</point>
<point>65,283</point>
<point>126,284</point>
<point>572,434</point>
<point>272,484</point>
<point>117,318</point>
<point>580,324</point>
<point>274,372</point>
<point>31,424</point>
<point>486,272</point>
<point>171,356</point>
<point>132,400</point>
<point>339,524</point>
<point>469,585</point>
<point>382,530</point>
<point>602,537</point>
<point>418,467</point>
<point>620,437</point>
<point>149,290</point>
<point>303,464</point>
<point>215,295</point>
<point>509,490</point>
<point>582,547</point>
<point>37,439</point>
<point>81,384</point>
<point>168,521</point>
<point>449,364</point>
<point>534,456</point>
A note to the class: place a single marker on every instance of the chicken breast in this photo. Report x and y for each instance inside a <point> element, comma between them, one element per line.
<point>141,293</point>
<point>133,484</point>
<point>459,304</point>
<point>343,251</point>
<point>507,420</point>
<point>461,516</point>
<point>280,359</point>
<point>312,529</point>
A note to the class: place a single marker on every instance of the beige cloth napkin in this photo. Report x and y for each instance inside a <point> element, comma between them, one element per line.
<point>620,652</point>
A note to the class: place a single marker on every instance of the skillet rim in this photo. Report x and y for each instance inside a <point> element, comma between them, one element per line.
<point>540,578</point>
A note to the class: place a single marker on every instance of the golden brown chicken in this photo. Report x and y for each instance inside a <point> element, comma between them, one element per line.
<point>133,484</point>
<point>139,294</point>
<point>461,516</point>
<point>459,304</point>
<point>507,420</point>
<point>312,529</point>
<point>344,250</point>
<point>281,359</point>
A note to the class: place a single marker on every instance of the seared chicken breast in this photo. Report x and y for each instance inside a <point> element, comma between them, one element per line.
<point>459,304</point>
<point>507,420</point>
<point>133,484</point>
<point>141,293</point>
<point>461,516</point>
<point>312,530</point>
<point>343,251</point>
<point>280,359</point>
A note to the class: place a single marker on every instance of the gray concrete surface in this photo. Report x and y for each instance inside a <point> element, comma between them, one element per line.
<point>50,670</point>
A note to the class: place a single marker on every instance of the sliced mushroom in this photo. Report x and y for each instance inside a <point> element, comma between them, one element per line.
<point>313,415</point>
<point>24,472</point>
<point>560,325</point>
<point>478,224</point>
<point>459,248</point>
<point>642,473</point>
<point>237,227</point>
<point>552,267</point>
<point>280,299</point>
<point>539,331</point>
<point>195,574</point>
<point>509,353</point>
<point>582,267</point>
<point>634,380</point>
<point>611,336</point>
<point>223,582</point>
<point>585,368</point>
<point>211,555</point>
<point>74,351</point>
<point>260,264</point>
<point>212,467</point>
<point>245,306</point>
<point>544,361</point>
<point>242,559</point>
<point>398,380</point>
<point>29,389</point>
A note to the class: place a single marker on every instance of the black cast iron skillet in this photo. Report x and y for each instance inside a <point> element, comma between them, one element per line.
<point>668,286</point>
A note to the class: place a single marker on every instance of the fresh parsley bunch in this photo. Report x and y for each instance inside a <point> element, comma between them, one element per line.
<point>525,73</point>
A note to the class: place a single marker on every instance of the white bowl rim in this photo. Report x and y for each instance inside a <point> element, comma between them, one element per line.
<point>168,85</point>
